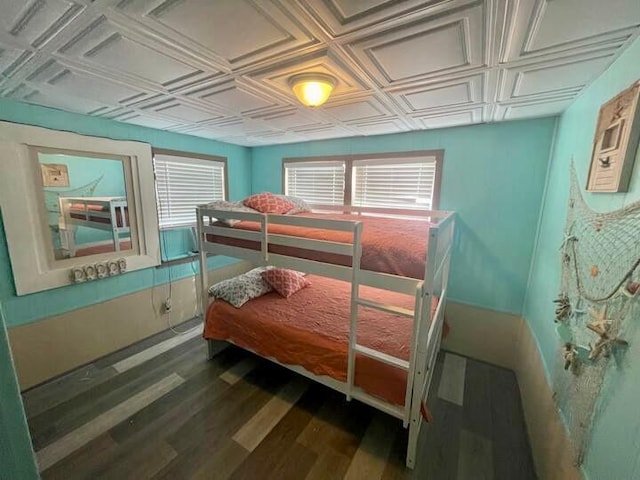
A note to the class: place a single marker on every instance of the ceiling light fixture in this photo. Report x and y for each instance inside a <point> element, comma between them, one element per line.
<point>312,89</point>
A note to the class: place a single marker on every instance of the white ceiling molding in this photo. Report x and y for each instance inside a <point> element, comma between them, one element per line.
<point>220,69</point>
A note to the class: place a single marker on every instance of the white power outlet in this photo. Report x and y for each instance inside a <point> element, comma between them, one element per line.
<point>167,305</point>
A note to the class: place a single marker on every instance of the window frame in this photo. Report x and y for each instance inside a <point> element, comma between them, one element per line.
<point>193,156</point>
<point>350,159</point>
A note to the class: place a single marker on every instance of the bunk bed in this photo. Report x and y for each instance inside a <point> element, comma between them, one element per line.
<point>370,325</point>
<point>103,213</point>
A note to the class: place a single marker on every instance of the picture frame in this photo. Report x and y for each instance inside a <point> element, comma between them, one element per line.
<point>55,175</point>
<point>615,142</point>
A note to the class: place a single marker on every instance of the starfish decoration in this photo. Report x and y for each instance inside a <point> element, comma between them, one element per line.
<point>601,327</point>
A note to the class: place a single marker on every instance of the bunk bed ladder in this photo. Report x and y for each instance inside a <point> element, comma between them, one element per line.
<point>355,298</point>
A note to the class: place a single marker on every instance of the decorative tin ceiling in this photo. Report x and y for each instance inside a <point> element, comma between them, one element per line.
<point>219,68</point>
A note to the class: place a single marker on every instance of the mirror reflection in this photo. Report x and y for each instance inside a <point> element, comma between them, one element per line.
<point>86,204</point>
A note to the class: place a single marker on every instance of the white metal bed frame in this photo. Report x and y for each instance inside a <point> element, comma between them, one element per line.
<point>427,325</point>
<point>114,206</point>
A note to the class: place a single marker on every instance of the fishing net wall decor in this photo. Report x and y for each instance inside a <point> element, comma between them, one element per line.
<point>598,297</point>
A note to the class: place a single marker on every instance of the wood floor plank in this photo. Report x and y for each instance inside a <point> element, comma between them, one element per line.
<point>396,468</point>
<point>371,457</point>
<point>330,465</point>
<point>269,460</point>
<point>511,452</point>
<point>76,465</point>
<point>221,463</point>
<point>476,412</point>
<point>155,350</point>
<point>338,426</point>
<point>210,429</point>
<point>440,438</point>
<point>239,370</point>
<point>144,462</point>
<point>451,386</point>
<point>60,390</point>
<point>56,451</point>
<point>475,458</point>
<point>62,419</point>
<point>256,429</point>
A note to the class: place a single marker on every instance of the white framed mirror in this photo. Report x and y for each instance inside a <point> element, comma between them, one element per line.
<point>75,208</point>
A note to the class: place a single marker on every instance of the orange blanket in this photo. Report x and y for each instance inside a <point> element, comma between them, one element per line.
<point>389,245</point>
<point>311,329</point>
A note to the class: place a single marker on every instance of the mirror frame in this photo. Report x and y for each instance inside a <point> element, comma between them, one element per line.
<point>28,243</point>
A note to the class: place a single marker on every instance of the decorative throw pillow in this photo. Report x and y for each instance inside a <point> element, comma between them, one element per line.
<point>285,282</point>
<point>230,207</point>
<point>239,290</point>
<point>267,202</point>
<point>299,205</point>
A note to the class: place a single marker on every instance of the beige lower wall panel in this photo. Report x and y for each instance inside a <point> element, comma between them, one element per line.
<point>550,444</point>
<point>53,346</point>
<point>482,334</point>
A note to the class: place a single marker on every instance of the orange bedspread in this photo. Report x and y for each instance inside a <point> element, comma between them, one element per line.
<point>311,329</point>
<point>389,245</point>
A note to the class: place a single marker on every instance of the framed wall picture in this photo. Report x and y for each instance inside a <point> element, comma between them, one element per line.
<point>615,142</point>
<point>55,175</point>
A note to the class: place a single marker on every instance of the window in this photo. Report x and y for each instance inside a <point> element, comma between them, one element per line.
<point>317,182</point>
<point>183,182</point>
<point>405,181</point>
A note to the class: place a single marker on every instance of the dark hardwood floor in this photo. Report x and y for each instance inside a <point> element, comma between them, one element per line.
<point>159,409</point>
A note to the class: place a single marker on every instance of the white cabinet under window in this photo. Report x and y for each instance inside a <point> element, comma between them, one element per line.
<point>183,182</point>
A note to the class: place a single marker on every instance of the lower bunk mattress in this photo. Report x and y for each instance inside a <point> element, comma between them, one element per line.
<point>311,329</point>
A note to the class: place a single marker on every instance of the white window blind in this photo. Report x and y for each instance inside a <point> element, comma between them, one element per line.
<point>182,183</point>
<point>394,183</point>
<point>319,183</point>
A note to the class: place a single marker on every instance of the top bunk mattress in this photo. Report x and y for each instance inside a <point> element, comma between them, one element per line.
<point>396,246</point>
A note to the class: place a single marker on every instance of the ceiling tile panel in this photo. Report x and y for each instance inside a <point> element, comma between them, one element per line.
<point>340,17</point>
<point>546,26</point>
<point>221,69</point>
<point>452,94</point>
<point>553,77</point>
<point>357,110</point>
<point>238,31</point>
<point>530,109</point>
<point>452,119</point>
<point>443,45</point>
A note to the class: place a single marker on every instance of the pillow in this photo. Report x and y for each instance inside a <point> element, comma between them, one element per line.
<point>239,290</point>
<point>231,207</point>
<point>285,282</point>
<point>299,205</point>
<point>267,202</point>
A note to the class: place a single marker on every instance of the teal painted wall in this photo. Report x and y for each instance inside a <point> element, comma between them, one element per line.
<point>16,454</point>
<point>614,451</point>
<point>29,308</point>
<point>493,178</point>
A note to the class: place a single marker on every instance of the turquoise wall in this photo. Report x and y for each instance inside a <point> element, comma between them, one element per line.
<point>29,308</point>
<point>493,178</point>
<point>16,455</point>
<point>614,451</point>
